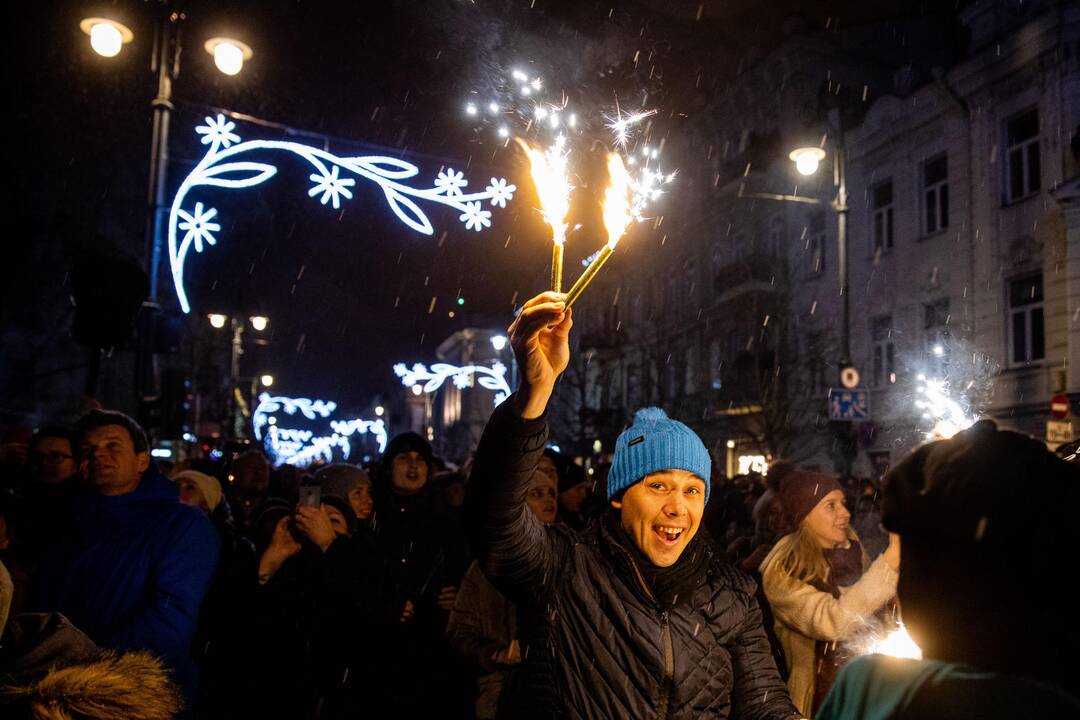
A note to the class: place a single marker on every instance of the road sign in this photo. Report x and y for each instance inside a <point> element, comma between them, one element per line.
<point>849,377</point>
<point>845,404</point>
<point>1059,431</point>
<point>1059,406</point>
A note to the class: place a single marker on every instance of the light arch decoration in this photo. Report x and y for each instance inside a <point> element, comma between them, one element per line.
<point>196,226</point>
<point>304,446</point>
<point>431,379</point>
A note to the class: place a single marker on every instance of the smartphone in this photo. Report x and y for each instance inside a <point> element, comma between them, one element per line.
<point>310,496</point>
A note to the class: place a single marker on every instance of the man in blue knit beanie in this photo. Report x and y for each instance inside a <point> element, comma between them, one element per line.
<point>634,615</point>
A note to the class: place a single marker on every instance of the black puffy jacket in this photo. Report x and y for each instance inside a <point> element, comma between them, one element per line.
<point>594,643</point>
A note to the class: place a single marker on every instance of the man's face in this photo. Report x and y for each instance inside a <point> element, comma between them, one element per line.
<point>571,499</point>
<point>52,460</point>
<point>408,472</point>
<point>191,494</point>
<point>251,476</point>
<point>108,460</point>
<point>662,513</point>
<point>360,501</point>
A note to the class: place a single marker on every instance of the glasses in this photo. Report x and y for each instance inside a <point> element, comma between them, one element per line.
<point>53,458</point>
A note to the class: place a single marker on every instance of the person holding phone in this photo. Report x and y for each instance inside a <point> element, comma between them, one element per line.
<point>635,616</point>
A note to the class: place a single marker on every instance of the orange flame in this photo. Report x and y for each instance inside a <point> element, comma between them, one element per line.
<point>548,170</point>
<point>617,201</point>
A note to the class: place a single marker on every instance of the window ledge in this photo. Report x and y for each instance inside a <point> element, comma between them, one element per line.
<point>1017,368</point>
<point>1021,200</point>
<point>934,235</point>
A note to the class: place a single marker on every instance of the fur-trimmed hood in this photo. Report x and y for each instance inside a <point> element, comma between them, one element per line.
<point>134,686</point>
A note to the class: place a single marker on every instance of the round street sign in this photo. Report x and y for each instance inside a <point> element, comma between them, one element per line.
<point>1059,406</point>
<point>849,377</point>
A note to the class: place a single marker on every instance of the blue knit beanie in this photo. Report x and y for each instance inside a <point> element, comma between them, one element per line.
<point>653,443</point>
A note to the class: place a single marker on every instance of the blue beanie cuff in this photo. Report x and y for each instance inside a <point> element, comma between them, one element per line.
<point>655,443</point>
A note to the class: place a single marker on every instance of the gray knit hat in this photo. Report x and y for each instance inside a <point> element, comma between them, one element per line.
<point>654,443</point>
<point>339,479</point>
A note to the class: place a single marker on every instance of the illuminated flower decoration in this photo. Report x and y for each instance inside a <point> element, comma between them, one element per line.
<point>490,378</point>
<point>302,446</point>
<point>451,181</point>
<point>198,227</point>
<point>333,175</point>
<point>475,218</point>
<point>331,186</point>
<point>218,131</point>
<point>500,192</point>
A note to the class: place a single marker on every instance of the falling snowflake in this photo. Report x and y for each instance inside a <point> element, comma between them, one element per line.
<point>500,192</point>
<point>198,226</point>
<point>218,131</point>
<point>475,218</point>
<point>331,187</point>
<point>451,181</point>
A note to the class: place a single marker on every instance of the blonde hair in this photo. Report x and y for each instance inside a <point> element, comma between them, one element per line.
<point>799,555</point>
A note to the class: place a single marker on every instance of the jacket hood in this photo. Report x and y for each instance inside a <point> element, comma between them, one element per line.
<point>134,686</point>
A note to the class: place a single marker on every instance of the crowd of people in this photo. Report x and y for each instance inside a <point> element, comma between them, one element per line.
<point>522,587</point>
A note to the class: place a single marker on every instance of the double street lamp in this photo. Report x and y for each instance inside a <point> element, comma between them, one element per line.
<point>259,323</point>
<point>107,38</point>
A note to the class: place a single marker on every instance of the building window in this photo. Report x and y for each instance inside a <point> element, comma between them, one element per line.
<point>1026,340</point>
<point>935,194</point>
<point>716,360</point>
<point>776,235</point>
<point>936,333</point>
<point>690,380</point>
<point>815,354</point>
<point>881,198</point>
<point>1022,155</point>
<point>814,233</point>
<point>884,351</point>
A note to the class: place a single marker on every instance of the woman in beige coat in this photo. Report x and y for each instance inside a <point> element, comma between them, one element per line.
<point>820,586</point>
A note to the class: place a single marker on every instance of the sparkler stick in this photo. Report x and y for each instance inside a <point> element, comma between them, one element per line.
<point>617,215</point>
<point>556,266</point>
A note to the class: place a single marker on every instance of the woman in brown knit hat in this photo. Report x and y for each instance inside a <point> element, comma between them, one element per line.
<point>819,583</point>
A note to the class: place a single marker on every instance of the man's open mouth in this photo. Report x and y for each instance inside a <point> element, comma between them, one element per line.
<point>667,534</point>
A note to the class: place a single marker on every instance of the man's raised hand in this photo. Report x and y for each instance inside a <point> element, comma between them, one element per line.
<point>540,336</point>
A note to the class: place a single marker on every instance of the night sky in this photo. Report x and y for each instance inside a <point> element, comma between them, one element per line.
<point>348,292</point>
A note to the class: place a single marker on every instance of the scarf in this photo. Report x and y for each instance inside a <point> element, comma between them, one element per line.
<point>667,584</point>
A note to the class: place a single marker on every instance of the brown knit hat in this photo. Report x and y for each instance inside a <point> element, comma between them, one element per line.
<point>801,491</point>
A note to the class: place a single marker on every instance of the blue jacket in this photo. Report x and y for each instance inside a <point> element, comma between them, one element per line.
<point>132,570</point>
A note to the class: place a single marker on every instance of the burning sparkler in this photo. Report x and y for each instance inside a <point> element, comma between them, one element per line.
<point>549,173</point>
<point>618,212</point>
<point>948,415</point>
<point>897,643</point>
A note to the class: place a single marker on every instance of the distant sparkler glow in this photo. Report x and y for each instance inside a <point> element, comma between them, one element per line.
<point>946,414</point>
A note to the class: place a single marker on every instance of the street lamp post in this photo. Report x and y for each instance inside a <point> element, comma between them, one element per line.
<point>237,324</point>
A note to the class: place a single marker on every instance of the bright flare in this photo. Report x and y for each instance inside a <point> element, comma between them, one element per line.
<point>947,415</point>
<point>106,40</point>
<point>896,644</point>
<point>549,173</point>
<point>617,200</point>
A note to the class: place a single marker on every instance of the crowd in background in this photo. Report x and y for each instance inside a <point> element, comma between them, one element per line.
<point>234,589</point>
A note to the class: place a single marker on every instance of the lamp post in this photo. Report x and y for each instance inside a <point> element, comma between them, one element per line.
<point>237,325</point>
<point>107,38</point>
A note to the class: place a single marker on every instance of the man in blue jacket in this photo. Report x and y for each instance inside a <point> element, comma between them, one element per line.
<point>134,563</point>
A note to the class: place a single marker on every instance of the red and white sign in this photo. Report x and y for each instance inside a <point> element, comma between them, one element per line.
<point>1059,406</point>
<point>849,377</point>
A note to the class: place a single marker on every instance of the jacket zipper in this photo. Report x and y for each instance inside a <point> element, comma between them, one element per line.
<point>665,634</point>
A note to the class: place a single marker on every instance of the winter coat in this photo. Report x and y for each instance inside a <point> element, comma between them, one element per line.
<point>594,642</point>
<point>132,570</point>
<point>49,668</point>
<point>805,615</point>
<point>482,623</point>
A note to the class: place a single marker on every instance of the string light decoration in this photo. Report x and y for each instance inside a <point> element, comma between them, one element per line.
<point>194,227</point>
<point>302,447</point>
<point>430,380</point>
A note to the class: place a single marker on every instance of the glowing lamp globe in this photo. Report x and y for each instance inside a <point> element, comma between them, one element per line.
<point>259,322</point>
<point>807,159</point>
<point>267,380</point>
<point>229,55</point>
<point>217,320</point>
<point>498,342</point>
<point>107,37</point>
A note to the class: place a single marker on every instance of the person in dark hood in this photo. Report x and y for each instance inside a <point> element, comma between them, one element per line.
<point>987,519</point>
<point>635,616</point>
<point>424,556</point>
<point>574,488</point>
<point>133,567</point>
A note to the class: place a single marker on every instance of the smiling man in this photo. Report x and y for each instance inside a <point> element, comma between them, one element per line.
<point>634,616</point>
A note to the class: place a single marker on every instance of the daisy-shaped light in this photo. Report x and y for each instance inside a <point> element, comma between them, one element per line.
<point>218,131</point>
<point>475,218</point>
<point>463,380</point>
<point>500,192</point>
<point>331,186</point>
<point>198,227</point>
<point>451,181</point>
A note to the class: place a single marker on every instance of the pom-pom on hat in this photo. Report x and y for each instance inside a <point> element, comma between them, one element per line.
<point>655,443</point>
